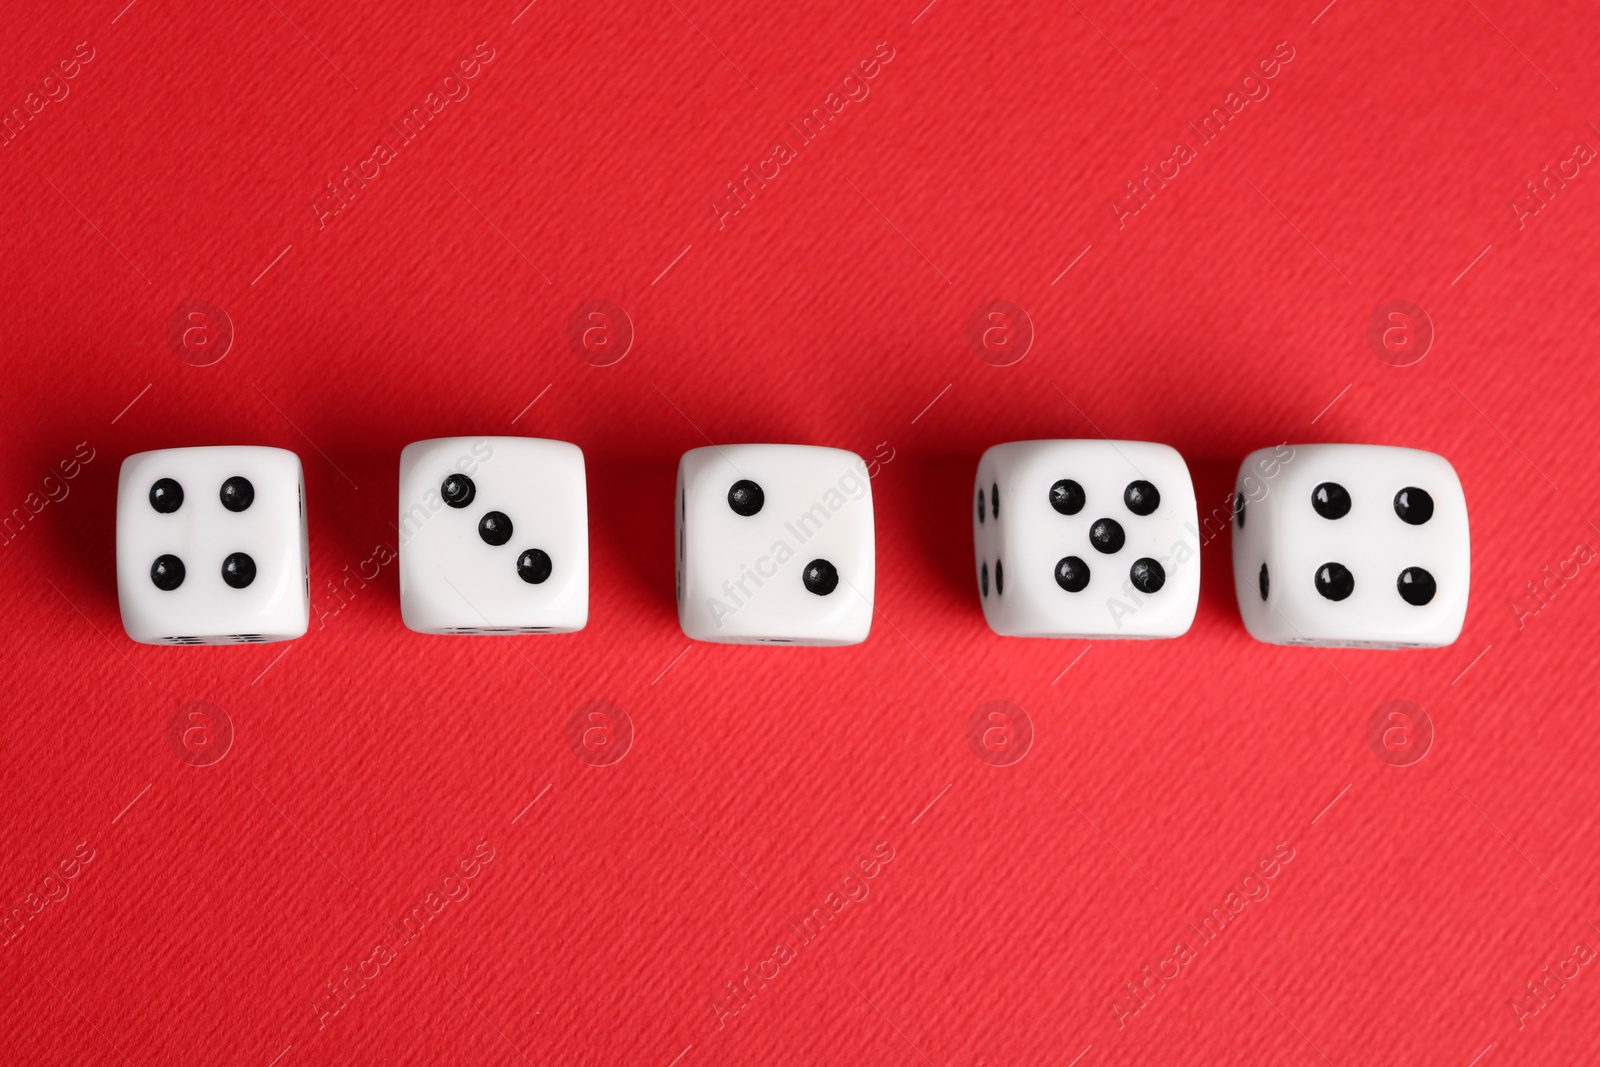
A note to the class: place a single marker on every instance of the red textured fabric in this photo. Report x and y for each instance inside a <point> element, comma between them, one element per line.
<point>423,850</point>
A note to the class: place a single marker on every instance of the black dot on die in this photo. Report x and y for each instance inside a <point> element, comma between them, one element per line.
<point>745,497</point>
<point>1413,505</point>
<point>1106,536</point>
<point>1066,496</point>
<point>983,578</point>
<point>534,566</point>
<point>1331,501</point>
<point>238,570</point>
<point>994,499</point>
<point>166,496</point>
<point>1072,574</point>
<point>1238,509</point>
<point>1416,586</point>
<point>1335,581</point>
<point>1141,497</point>
<point>1147,575</point>
<point>1263,582</point>
<point>820,577</point>
<point>167,573</point>
<point>237,493</point>
<point>495,528</point>
<point>458,490</point>
<point>999,579</point>
<point>980,507</point>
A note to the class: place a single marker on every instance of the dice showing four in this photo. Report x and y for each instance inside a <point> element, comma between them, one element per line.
<point>1358,546</point>
<point>775,545</point>
<point>494,536</point>
<point>1343,545</point>
<point>1088,539</point>
<point>211,546</point>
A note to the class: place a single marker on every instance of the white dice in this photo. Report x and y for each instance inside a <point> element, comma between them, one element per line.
<point>775,545</point>
<point>494,536</point>
<point>211,546</point>
<point>1358,546</point>
<point>1087,539</point>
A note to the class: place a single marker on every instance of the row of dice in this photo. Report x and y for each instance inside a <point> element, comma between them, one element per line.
<point>1333,544</point>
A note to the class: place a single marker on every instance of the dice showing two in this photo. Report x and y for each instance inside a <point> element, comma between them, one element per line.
<point>774,545</point>
<point>1347,545</point>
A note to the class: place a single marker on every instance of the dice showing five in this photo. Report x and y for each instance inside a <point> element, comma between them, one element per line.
<point>494,536</point>
<point>211,546</point>
<point>1359,546</point>
<point>1090,539</point>
<point>774,545</point>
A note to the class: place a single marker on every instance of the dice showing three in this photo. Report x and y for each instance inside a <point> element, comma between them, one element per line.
<point>1086,538</point>
<point>774,545</point>
<point>494,536</point>
<point>1360,546</point>
<point>211,546</point>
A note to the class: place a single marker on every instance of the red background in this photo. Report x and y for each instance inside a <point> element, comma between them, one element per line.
<point>1228,313</point>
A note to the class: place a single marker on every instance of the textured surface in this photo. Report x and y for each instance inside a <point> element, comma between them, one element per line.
<point>610,901</point>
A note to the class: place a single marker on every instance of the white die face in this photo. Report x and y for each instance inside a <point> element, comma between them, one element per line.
<point>1377,562</point>
<point>233,518</point>
<point>460,495</point>
<point>797,570</point>
<point>1041,569</point>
